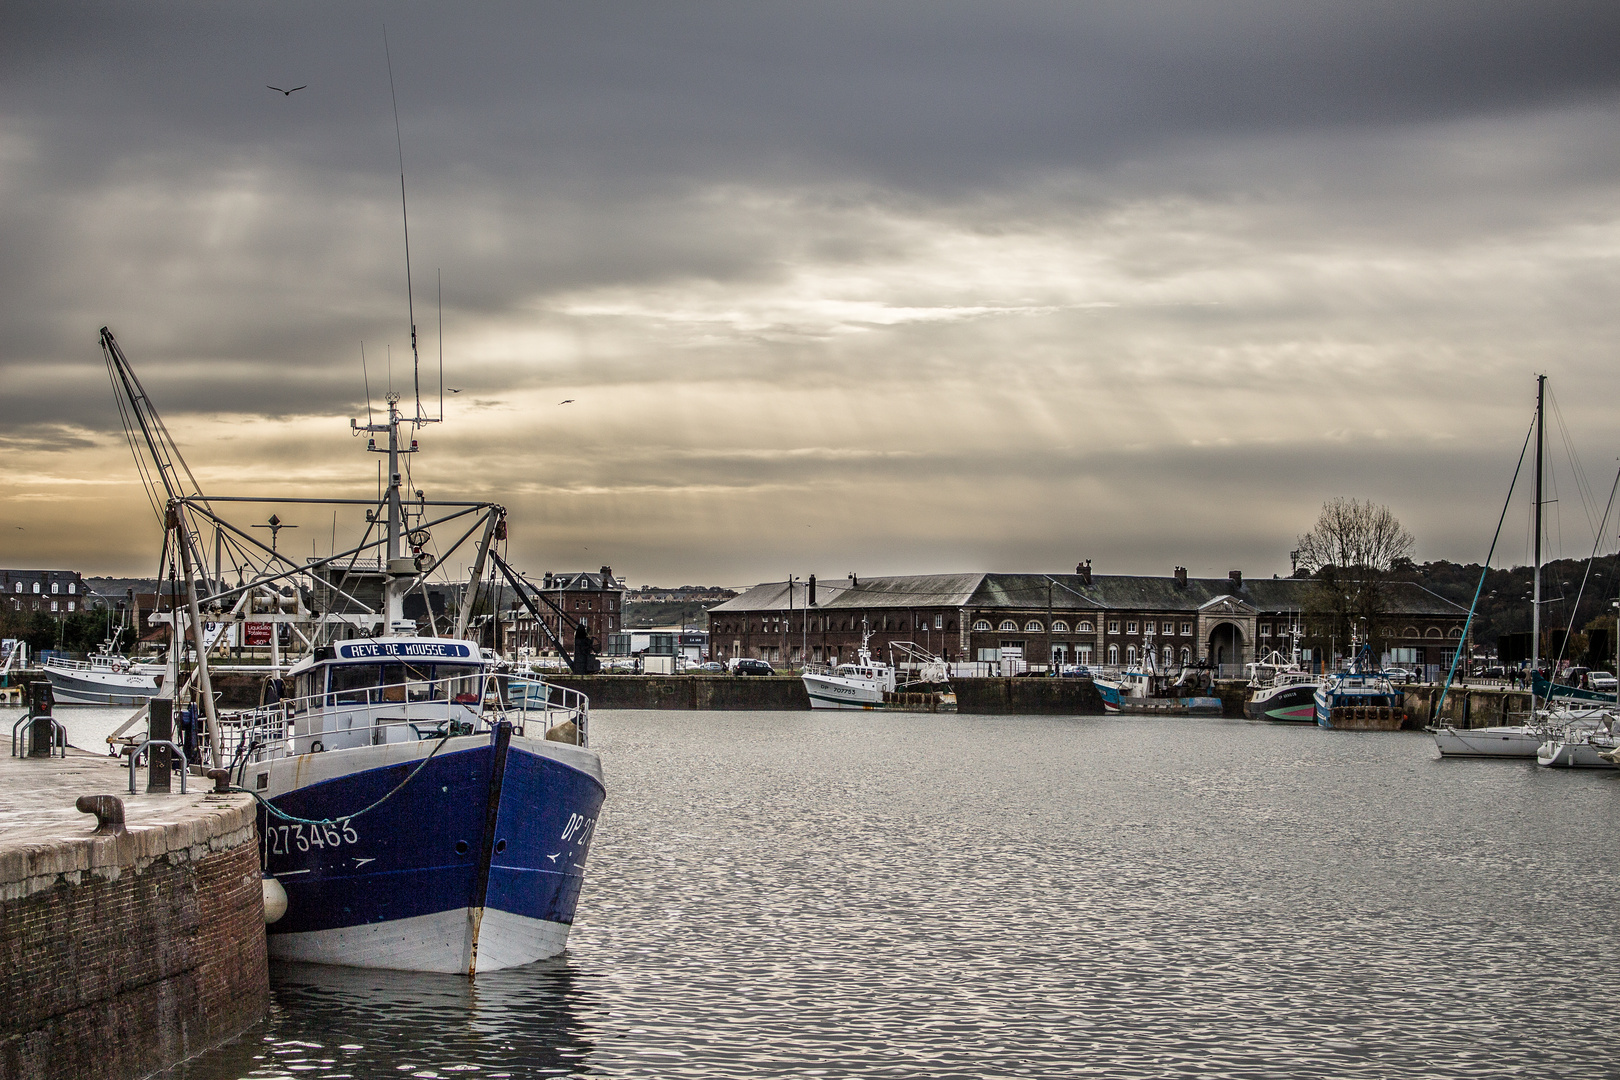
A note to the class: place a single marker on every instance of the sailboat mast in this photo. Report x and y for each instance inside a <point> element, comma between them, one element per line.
<point>1535,602</point>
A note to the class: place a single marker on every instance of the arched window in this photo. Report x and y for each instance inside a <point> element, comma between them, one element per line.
<point>1060,627</point>
<point>1169,656</point>
<point>1083,626</point>
<point>1434,631</point>
<point>981,624</point>
<point>1130,655</point>
<point>1008,624</point>
<point>1032,627</point>
<point>1410,631</point>
<point>36,588</point>
<point>1113,656</point>
<point>1186,657</point>
<point>56,587</point>
<point>1455,631</point>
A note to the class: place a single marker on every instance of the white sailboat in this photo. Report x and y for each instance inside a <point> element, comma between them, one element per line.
<point>1508,740</point>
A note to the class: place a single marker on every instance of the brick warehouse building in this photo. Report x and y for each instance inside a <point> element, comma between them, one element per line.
<point>595,599</point>
<point>1080,618</point>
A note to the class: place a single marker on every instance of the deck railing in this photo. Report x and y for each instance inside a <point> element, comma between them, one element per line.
<point>402,713</point>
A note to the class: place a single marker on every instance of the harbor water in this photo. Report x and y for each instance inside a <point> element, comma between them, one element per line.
<point>915,895</point>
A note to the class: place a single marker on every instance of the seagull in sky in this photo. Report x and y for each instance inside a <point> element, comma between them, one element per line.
<point>570,401</point>
<point>289,93</point>
<point>454,389</point>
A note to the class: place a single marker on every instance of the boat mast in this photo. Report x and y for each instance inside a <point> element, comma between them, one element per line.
<point>1535,602</point>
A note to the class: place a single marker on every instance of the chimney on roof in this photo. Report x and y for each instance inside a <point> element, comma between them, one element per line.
<point>545,582</point>
<point>812,601</point>
<point>1084,572</point>
<point>607,575</point>
<point>1237,579</point>
<point>854,581</point>
<point>1181,577</point>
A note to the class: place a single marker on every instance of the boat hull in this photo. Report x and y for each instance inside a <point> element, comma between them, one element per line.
<point>1294,704</point>
<point>832,692</point>
<point>474,864</point>
<point>1573,754</point>
<point>91,687</point>
<point>1354,711</point>
<point>1491,742</point>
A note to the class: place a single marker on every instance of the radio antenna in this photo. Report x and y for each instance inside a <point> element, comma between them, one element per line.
<point>365,375</point>
<point>440,272</point>
<point>405,218</point>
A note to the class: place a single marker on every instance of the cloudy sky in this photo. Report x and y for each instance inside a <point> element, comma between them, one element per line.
<point>886,287</point>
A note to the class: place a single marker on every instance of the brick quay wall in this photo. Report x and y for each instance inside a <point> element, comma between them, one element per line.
<point>786,692</point>
<point>123,953</point>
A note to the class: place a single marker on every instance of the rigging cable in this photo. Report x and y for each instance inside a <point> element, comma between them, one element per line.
<point>1457,655</point>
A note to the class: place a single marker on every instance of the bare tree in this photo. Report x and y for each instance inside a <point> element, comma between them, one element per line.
<point>1349,552</point>
<point>1351,533</point>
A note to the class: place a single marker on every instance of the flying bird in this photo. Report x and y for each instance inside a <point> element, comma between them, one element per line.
<point>289,93</point>
<point>454,389</point>
<point>570,401</point>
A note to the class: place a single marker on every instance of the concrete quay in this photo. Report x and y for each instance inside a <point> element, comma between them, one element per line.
<point>127,948</point>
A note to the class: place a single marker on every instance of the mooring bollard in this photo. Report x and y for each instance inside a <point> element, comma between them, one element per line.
<point>160,729</point>
<point>42,729</point>
<point>109,811</point>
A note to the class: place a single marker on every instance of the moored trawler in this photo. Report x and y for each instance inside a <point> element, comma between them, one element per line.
<point>868,683</point>
<point>106,678</point>
<point>1281,691</point>
<point>1359,701</point>
<point>419,811</point>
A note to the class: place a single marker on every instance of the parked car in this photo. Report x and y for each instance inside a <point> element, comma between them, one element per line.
<point>710,668</point>
<point>751,667</point>
<point>1400,675</point>
<point>1601,681</point>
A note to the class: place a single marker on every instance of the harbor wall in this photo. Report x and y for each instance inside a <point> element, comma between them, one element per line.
<point>1465,707</point>
<point>786,692</point>
<point>123,954</point>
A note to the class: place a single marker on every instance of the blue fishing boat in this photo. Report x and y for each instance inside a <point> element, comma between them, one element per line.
<point>419,811</point>
<point>1356,700</point>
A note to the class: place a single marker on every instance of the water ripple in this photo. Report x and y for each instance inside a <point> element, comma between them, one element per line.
<point>904,896</point>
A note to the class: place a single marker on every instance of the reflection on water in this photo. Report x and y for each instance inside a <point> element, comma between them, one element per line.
<point>809,894</point>
<point>345,1022</point>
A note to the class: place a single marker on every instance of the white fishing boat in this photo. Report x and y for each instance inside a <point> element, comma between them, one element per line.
<point>870,683</point>
<point>106,678</point>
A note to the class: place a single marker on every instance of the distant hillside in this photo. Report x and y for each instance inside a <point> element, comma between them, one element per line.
<point>1504,602</point>
<point>642,614</point>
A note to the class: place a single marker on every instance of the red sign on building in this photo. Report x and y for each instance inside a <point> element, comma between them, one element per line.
<point>258,633</point>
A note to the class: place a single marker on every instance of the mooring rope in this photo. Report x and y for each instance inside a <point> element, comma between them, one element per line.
<point>283,815</point>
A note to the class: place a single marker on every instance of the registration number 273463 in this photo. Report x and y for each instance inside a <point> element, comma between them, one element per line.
<point>286,839</point>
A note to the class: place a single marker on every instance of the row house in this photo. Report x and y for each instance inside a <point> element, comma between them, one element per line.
<point>58,592</point>
<point>1113,620</point>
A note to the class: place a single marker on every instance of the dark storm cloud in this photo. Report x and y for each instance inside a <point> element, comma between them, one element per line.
<point>889,255</point>
<point>924,95</point>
